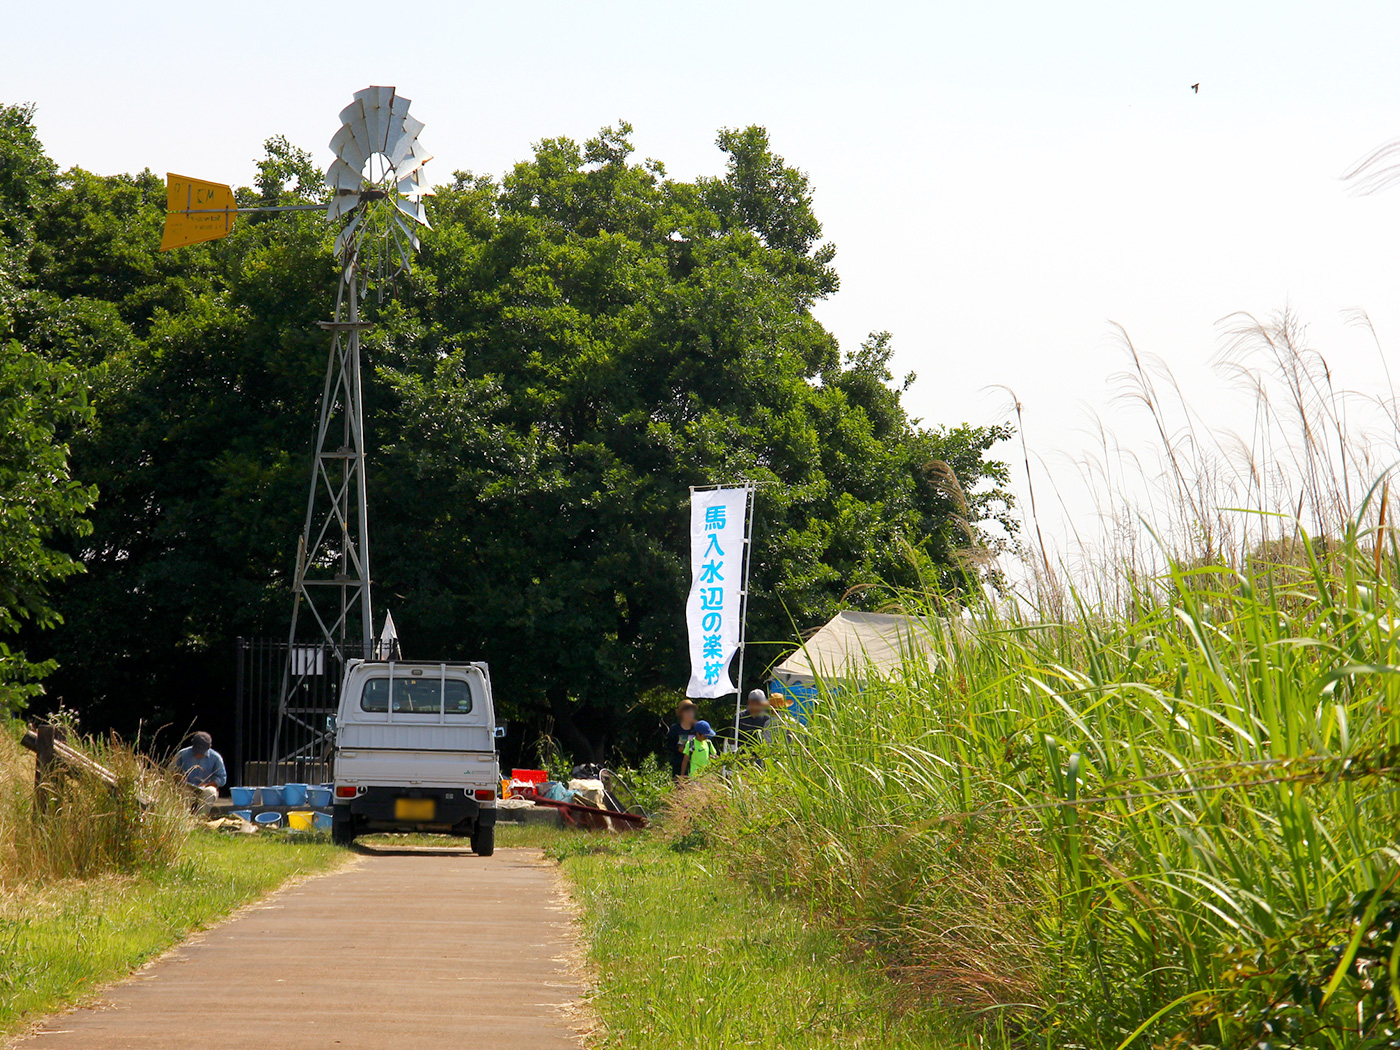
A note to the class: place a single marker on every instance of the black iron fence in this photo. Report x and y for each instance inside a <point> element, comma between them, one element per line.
<point>295,747</point>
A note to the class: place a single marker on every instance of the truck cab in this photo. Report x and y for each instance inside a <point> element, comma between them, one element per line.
<point>415,750</point>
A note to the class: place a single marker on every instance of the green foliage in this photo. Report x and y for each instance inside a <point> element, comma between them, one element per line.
<point>40,402</point>
<point>645,786</point>
<point>27,178</point>
<point>580,342</point>
<point>1170,821</point>
<point>1329,981</point>
<point>581,347</point>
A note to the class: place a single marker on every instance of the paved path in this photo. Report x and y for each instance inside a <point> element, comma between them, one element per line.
<point>402,951</point>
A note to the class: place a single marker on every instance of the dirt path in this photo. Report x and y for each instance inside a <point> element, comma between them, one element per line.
<point>399,952</point>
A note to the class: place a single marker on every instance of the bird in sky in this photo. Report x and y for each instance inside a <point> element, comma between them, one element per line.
<point>1196,88</point>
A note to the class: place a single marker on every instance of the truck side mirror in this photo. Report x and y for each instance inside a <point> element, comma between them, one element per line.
<point>330,723</point>
<point>500,731</point>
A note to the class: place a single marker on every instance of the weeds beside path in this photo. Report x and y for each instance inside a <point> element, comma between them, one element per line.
<point>685,956</point>
<point>62,940</point>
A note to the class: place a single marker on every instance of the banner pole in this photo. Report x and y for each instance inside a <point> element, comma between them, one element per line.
<point>744,609</point>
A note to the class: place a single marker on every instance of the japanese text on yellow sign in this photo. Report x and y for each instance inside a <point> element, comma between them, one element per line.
<point>196,211</point>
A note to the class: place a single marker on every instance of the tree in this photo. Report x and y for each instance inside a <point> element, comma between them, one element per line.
<point>209,359</point>
<point>41,403</point>
<point>581,346</point>
<point>580,341</point>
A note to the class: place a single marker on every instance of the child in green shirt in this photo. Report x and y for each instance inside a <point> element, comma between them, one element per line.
<point>699,750</point>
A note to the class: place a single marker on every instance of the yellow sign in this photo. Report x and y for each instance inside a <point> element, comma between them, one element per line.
<point>196,211</point>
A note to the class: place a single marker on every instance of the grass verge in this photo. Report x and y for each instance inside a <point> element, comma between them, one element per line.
<point>685,956</point>
<point>62,940</point>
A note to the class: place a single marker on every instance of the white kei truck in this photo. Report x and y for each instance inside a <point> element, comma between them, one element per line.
<point>415,750</point>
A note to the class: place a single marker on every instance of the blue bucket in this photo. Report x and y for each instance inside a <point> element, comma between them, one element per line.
<point>294,794</point>
<point>269,796</point>
<point>245,814</point>
<point>318,796</point>
<point>268,820</point>
<point>241,796</point>
<point>321,822</point>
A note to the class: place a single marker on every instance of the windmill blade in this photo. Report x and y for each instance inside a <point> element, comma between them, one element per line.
<point>400,147</point>
<point>386,115</point>
<point>378,101</point>
<point>342,204</point>
<point>411,190</point>
<point>344,146</point>
<point>408,232</point>
<point>415,160</point>
<point>342,178</point>
<point>414,210</point>
<point>355,109</point>
<point>398,111</point>
<point>353,117</point>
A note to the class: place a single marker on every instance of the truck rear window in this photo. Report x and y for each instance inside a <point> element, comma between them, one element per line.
<point>417,696</point>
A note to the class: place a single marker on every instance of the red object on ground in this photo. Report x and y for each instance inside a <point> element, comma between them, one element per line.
<point>595,819</point>
<point>529,776</point>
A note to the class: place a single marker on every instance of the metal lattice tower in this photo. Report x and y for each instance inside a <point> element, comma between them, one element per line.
<point>375,177</point>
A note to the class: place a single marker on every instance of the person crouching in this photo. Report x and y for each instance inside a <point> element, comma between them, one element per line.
<point>203,770</point>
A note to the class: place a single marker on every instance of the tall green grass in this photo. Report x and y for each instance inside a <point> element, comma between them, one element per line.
<point>88,829</point>
<point>1108,830</point>
<point>1155,807</point>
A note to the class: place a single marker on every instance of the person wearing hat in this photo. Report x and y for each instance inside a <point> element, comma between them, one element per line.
<point>753,724</point>
<point>203,769</point>
<point>780,719</point>
<point>700,750</point>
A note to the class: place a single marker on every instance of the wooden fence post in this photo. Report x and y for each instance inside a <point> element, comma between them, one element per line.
<point>43,767</point>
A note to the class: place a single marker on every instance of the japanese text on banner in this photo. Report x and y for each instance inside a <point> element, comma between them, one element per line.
<point>712,612</point>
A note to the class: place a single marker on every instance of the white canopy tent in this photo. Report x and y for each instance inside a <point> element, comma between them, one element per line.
<point>852,645</point>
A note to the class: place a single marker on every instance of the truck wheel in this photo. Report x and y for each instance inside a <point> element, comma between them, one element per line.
<point>342,829</point>
<point>484,840</point>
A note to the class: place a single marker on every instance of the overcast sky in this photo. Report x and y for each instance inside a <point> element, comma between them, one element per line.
<point>1002,181</point>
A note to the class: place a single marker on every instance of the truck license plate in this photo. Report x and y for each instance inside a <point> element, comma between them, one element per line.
<point>415,808</point>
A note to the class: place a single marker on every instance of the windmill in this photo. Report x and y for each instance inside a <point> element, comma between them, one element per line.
<point>377,199</point>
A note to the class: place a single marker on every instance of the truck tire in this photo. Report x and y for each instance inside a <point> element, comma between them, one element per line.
<point>484,840</point>
<point>342,829</point>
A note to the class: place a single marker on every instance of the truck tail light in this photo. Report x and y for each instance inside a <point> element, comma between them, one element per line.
<point>345,790</point>
<point>484,794</point>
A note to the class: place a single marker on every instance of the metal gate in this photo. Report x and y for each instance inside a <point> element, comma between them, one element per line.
<point>304,748</point>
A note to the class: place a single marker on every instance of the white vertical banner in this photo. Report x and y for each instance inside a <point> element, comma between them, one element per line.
<point>713,612</point>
